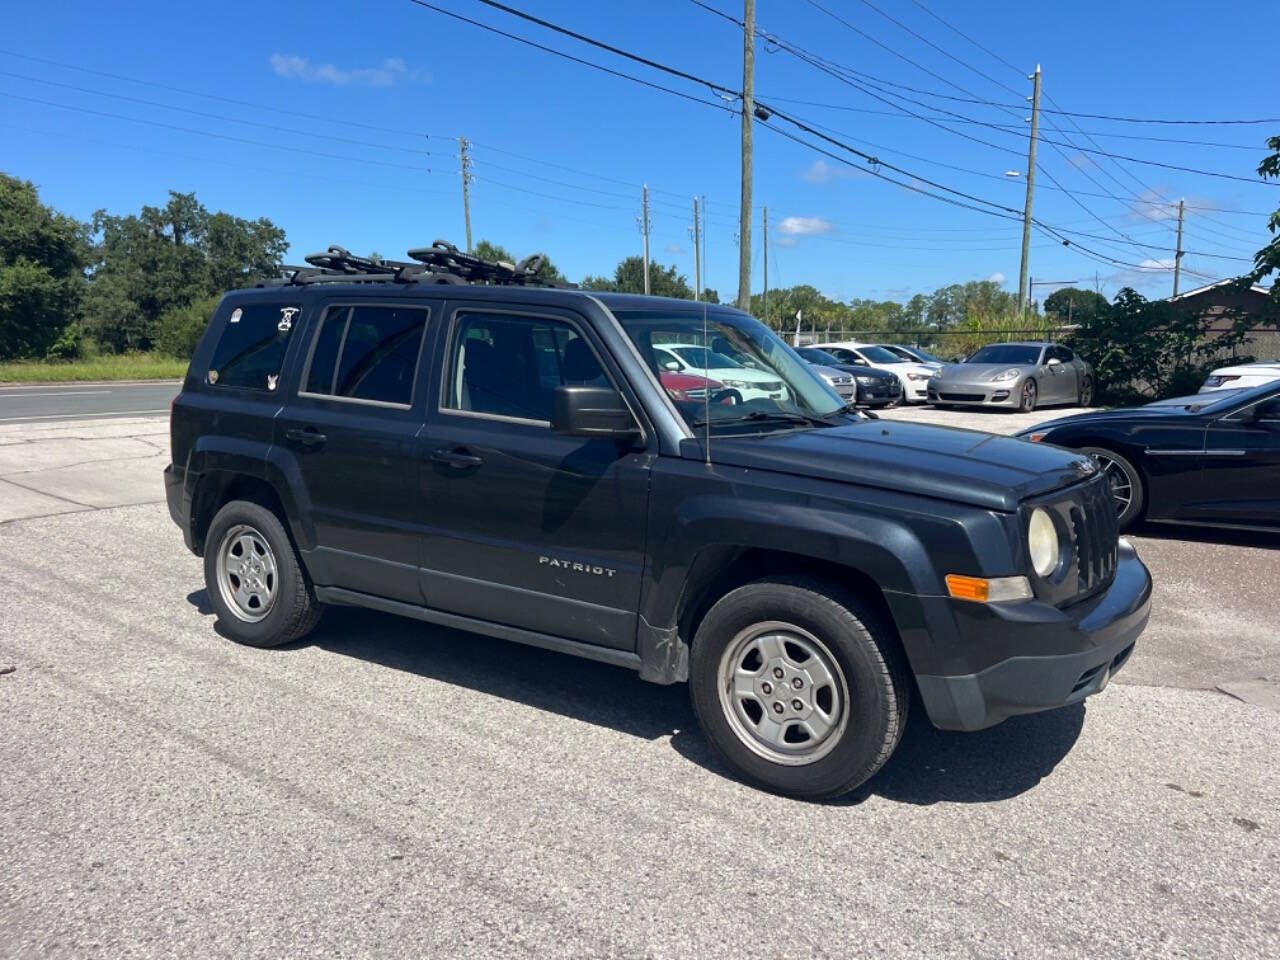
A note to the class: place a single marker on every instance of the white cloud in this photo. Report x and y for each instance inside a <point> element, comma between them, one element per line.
<point>1156,266</point>
<point>822,172</point>
<point>390,72</point>
<point>676,248</point>
<point>804,226</point>
<point>997,278</point>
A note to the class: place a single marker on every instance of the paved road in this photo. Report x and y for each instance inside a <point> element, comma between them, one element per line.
<point>20,404</point>
<point>391,789</point>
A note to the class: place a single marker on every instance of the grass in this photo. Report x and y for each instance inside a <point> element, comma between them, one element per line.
<point>125,366</point>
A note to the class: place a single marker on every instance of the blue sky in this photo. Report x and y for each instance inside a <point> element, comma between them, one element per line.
<point>561,150</point>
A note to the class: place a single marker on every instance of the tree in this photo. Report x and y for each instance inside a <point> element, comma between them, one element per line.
<point>1152,348</point>
<point>1071,304</point>
<point>493,252</point>
<point>42,260</point>
<point>164,258</point>
<point>1267,260</point>
<point>628,277</point>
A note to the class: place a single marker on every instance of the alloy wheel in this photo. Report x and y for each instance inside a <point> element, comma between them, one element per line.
<point>1119,481</point>
<point>247,573</point>
<point>783,693</point>
<point>1029,396</point>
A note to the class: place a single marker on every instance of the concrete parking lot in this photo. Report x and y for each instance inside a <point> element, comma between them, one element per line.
<point>386,788</point>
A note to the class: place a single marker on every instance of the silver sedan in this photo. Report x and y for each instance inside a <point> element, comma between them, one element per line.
<point>1020,376</point>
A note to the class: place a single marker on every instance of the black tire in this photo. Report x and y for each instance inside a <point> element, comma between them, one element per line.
<point>1121,473</point>
<point>293,610</point>
<point>1085,398</point>
<point>862,648</point>
<point>1028,397</point>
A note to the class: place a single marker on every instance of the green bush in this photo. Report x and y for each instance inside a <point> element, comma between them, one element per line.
<point>68,345</point>
<point>180,328</point>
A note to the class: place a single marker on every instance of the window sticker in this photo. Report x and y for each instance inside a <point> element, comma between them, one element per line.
<point>272,380</point>
<point>236,314</point>
<point>286,319</point>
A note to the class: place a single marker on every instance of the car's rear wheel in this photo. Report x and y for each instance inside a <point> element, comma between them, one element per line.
<point>1086,392</point>
<point>1028,397</point>
<point>1127,490</point>
<point>254,578</point>
<point>801,689</point>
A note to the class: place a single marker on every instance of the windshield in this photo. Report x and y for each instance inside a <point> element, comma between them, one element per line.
<point>1006,353</point>
<point>924,355</point>
<point>780,392</point>
<point>817,356</point>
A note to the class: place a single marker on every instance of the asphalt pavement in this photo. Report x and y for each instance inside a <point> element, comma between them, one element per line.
<point>386,788</point>
<point>68,401</point>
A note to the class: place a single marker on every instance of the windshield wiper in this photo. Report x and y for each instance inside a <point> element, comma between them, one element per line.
<point>765,415</point>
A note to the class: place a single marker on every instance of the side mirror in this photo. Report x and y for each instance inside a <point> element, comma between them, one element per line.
<point>858,361</point>
<point>588,411</point>
<point>671,366</point>
<point>1053,362</point>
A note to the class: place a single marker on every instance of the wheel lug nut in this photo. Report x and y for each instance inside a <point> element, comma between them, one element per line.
<point>777,672</point>
<point>777,707</point>
<point>797,683</point>
<point>797,705</point>
<point>767,687</point>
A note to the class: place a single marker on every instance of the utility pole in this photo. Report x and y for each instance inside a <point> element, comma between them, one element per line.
<point>644,225</point>
<point>465,145</point>
<point>748,111</point>
<point>1177,257</point>
<point>1023,290</point>
<point>696,233</point>
<point>766,266</point>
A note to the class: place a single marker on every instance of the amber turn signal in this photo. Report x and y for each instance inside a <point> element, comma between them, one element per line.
<point>983,590</point>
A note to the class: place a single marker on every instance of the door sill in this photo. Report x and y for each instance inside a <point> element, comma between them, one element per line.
<point>352,598</point>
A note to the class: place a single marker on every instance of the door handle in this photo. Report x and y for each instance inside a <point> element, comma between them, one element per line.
<point>457,457</point>
<point>309,437</point>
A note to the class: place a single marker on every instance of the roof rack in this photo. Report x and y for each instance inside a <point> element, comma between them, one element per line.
<point>442,262</point>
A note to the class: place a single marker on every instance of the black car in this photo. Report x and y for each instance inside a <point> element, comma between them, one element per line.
<point>876,388</point>
<point>447,440</point>
<point>1203,459</point>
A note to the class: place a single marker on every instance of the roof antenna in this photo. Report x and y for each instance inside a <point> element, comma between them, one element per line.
<point>706,392</point>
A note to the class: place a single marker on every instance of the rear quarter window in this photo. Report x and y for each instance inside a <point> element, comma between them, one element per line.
<point>251,345</point>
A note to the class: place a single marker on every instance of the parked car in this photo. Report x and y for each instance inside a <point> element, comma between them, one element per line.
<point>913,354</point>
<point>913,377</point>
<point>1201,459</point>
<point>750,382</point>
<point>871,387</point>
<point>386,438</point>
<point>688,388</point>
<point>1242,375</point>
<point>1021,376</point>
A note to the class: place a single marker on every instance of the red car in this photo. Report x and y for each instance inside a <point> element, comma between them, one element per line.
<point>692,389</point>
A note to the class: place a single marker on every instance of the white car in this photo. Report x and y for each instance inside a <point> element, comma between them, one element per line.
<point>913,376</point>
<point>1243,375</point>
<point>697,360</point>
<point>913,355</point>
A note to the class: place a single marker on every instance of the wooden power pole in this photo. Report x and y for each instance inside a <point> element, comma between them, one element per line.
<point>765,251</point>
<point>748,110</point>
<point>697,253</point>
<point>644,225</point>
<point>1177,257</point>
<point>1024,291</point>
<point>465,145</point>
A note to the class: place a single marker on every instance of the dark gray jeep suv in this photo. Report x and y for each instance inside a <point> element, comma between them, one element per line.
<point>447,440</point>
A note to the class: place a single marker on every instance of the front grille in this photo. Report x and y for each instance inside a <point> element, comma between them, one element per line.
<point>963,397</point>
<point>1096,536</point>
<point>842,380</point>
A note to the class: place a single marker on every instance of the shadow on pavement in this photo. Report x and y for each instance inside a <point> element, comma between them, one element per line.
<point>1190,533</point>
<point>930,766</point>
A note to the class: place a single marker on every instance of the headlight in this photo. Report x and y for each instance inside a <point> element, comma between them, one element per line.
<point>736,384</point>
<point>917,376</point>
<point>1011,374</point>
<point>868,381</point>
<point>1042,542</point>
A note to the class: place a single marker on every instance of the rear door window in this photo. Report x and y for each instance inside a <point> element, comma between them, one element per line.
<point>251,347</point>
<point>367,353</point>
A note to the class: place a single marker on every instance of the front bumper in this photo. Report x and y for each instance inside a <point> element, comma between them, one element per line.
<point>1059,656</point>
<point>914,391</point>
<point>976,394</point>
<point>879,393</point>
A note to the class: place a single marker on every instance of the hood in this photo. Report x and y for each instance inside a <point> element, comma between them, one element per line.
<point>905,367</point>
<point>744,374</point>
<point>829,372</point>
<point>686,381</point>
<point>975,372</point>
<point>964,466</point>
<point>1151,411</point>
<point>1245,369</point>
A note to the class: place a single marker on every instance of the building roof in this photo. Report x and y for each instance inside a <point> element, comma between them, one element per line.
<point>1254,288</point>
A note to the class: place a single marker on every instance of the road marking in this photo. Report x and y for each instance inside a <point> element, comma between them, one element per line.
<point>82,416</point>
<point>53,393</point>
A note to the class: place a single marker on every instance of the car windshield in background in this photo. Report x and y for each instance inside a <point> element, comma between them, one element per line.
<point>880,355</point>
<point>925,355</point>
<point>1006,353</point>
<point>818,356</point>
<point>765,386</point>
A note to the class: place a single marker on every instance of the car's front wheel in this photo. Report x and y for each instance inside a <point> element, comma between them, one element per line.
<point>254,578</point>
<point>1127,490</point>
<point>1086,392</point>
<point>1028,397</point>
<point>802,689</point>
